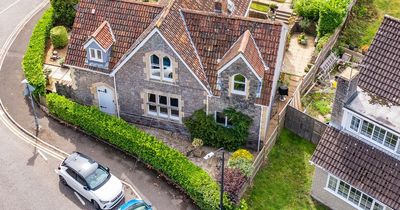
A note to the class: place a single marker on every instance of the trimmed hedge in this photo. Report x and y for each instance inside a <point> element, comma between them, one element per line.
<point>200,187</point>
<point>59,37</point>
<point>32,63</point>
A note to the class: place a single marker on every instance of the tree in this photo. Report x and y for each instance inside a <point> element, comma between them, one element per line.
<point>64,12</point>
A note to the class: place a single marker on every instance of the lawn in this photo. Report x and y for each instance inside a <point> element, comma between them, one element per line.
<point>285,182</point>
<point>259,6</point>
<point>366,18</point>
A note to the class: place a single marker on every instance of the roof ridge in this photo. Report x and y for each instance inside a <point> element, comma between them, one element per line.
<point>392,18</point>
<point>258,51</point>
<point>97,31</point>
<point>152,4</point>
<point>221,15</point>
<point>164,13</point>
<point>245,41</point>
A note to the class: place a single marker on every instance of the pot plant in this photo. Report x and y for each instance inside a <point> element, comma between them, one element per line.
<point>302,39</point>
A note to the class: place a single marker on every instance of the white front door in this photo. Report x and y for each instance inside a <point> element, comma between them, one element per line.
<point>106,99</point>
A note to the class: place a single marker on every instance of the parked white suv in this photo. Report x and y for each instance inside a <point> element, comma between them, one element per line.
<point>91,180</point>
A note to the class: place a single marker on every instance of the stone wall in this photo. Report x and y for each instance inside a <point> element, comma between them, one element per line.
<point>304,125</point>
<point>319,192</point>
<point>134,83</point>
<point>242,103</point>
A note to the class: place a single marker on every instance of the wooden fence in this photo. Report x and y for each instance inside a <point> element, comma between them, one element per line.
<point>310,77</point>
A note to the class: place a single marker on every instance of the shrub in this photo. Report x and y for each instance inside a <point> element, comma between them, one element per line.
<point>308,8</point>
<point>59,37</point>
<point>203,126</point>
<point>242,153</point>
<point>322,41</point>
<point>197,143</point>
<point>329,19</point>
<point>64,11</point>
<point>32,63</point>
<point>304,23</point>
<point>233,183</point>
<point>242,164</point>
<point>200,187</point>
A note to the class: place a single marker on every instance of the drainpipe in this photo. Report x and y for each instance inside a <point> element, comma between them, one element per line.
<point>116,94</point>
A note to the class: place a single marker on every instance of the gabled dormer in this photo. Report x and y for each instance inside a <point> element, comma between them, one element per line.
<point>98,46</point>
<point>241,70</point>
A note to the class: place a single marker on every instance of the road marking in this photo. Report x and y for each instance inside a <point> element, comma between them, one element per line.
<point>133,189</point>
<point>79,197</point>
<point>9,6</point>
<point>41,154</point>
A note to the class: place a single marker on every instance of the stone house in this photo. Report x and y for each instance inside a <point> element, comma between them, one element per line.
<point>157,63</point>
<point>358,157</point>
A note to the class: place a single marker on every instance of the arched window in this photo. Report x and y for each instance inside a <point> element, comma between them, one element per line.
<point>239,84</point>
<point>161,71</point>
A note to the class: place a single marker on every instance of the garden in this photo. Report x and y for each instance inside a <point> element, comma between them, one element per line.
<point>285,182</point>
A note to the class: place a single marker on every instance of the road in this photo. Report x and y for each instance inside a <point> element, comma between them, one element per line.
<point>28,177</point>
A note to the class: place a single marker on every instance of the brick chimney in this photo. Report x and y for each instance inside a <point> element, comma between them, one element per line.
<point>346,87</point>
<point>221,6</point>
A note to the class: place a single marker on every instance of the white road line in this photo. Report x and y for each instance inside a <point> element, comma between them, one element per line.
<point>9,6</point>
<point>79,197</point>
<point>41,154</point>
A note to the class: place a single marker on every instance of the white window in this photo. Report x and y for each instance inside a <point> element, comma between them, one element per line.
<point>375,134</point>
<point>223,120</point>
<point>239,84</point>
<point>352,195</point>
<point>163,106</point>
<point>95,55</point>
<point>259,87</point>
<point>161,70</point>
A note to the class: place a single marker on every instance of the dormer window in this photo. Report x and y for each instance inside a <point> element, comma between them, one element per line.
<point>95,55</point>
<point>239,84</point>
<point>161,70</point>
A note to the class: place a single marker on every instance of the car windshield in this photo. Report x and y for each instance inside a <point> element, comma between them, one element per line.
<point>97,178</point>
<point>137,206</point>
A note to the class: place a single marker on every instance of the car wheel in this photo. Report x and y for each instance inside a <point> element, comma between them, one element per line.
<point>96,205</point>
<point>62,180</point>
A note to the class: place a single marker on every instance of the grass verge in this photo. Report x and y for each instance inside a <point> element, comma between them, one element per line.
<point>285,182</point>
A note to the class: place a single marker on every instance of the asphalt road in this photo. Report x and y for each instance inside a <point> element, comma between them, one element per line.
<point>27,179</point>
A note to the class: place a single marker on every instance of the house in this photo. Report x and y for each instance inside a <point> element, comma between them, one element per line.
<point>358,157</point>
<point>157,63</point>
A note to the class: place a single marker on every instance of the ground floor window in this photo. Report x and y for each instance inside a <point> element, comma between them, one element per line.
<point>352,195</point>
<point>223,120</point>
<point>163,106</point>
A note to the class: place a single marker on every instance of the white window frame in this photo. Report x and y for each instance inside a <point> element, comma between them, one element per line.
<point>350,115</point>
<point>357,206</point>
<point>169,107</point>
<point>161,68</point>
<point>226,120</point>
<point>96,54</point>
<point>239,92</point>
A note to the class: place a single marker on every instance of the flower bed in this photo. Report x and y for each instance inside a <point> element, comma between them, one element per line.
<point>32,63</point>
<point>200,187</point>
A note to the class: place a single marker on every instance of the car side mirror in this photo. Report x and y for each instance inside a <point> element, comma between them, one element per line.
<point>107,169</point>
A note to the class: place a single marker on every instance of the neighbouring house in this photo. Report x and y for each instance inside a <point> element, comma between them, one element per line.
<point>157,63</point>
<point>358,157</point>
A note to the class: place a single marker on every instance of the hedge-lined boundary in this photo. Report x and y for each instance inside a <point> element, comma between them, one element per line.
<point>200,187</point>
<point>32,63</point>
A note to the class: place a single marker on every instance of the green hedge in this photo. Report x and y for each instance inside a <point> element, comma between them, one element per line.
<point>32,63</point>
<point>64,12</point>
<point>59,37</point>
<point>329,19</point>
<point>196,182</point>
<point>203,126</point>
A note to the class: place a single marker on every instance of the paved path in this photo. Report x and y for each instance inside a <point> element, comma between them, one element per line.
<point>149,185</point>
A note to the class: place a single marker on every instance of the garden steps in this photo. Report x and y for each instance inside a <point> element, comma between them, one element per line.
<point>283,16</point>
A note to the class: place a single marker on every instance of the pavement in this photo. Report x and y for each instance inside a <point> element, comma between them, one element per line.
<point>18,154</point>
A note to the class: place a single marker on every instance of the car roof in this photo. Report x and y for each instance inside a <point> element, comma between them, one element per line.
<point>131,203</point>
<point>82,164</point>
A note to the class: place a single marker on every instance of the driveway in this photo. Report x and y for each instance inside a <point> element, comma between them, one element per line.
<point>148,184</point>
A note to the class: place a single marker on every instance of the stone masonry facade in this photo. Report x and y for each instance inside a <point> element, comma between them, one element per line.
<point>242,103</point>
